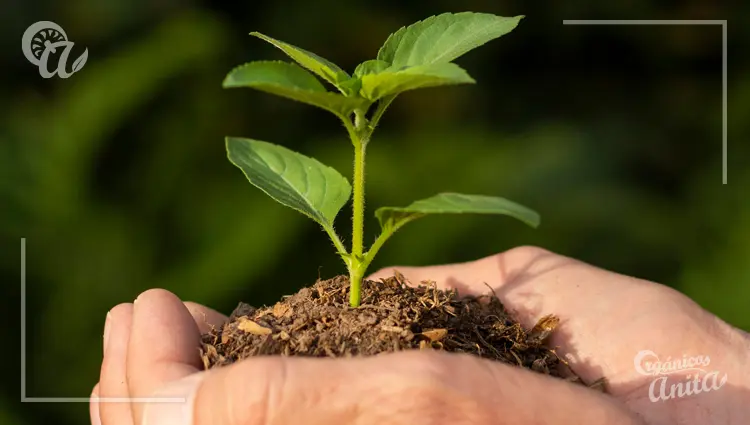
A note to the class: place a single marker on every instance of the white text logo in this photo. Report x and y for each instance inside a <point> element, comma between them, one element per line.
<point>694,377</point>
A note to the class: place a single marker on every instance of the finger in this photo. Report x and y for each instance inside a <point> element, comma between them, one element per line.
<point>94,406</point>
<point>401,388</point>
<point>113,385</point>
<point>472,277</point>
<point>164,346</point>
<point>206,318</point>
<point>536,282</point>
<point>592,304</point>
<point>533,282</point>
<point>504,273</point>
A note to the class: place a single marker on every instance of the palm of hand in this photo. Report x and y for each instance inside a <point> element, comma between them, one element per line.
<point>606,320</point>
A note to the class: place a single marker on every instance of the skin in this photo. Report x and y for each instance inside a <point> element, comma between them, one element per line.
<point>151,347</point>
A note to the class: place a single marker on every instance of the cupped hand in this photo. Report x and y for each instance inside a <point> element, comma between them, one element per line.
<point>151,371</point>
<point>610,323</point>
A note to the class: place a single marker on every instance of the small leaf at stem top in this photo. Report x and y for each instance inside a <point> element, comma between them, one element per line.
<point>292,179</point>
<point>391,218</point>
<point>372,66</point>
<point>351,86</point>
<point>393,81</point>
<point>326,69</point>
<point>293,82</point>
<point>443,38</point>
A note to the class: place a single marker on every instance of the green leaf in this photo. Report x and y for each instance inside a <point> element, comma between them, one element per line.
<point>375,86</point>
<point>291,81</point>
<point>443,38</point>
<point>372,66</point>
<point>391,218</point>
<point>292,179</point>
<point>351,86</point>
<point>324,68</point>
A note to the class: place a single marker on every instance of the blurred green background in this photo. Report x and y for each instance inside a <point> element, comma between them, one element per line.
<point>118,178</point>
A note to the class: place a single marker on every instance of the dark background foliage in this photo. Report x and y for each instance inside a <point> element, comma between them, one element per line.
<point>118,178</point>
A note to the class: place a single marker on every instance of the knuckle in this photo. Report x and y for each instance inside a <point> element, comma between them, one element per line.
<point>526,252</point>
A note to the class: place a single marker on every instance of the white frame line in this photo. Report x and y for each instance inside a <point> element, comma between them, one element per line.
<point>25,399</point>
<point>723,24</point>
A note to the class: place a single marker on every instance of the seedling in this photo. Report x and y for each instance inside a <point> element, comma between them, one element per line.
<point>417,56</point>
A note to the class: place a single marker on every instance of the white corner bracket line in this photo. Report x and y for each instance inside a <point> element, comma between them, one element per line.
<point>723,24</point>
<point>25,399</point>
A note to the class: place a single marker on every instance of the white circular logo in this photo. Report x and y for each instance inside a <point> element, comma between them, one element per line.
<point>44,38</point>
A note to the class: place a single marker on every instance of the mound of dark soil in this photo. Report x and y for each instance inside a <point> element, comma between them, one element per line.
<point>393,316</point>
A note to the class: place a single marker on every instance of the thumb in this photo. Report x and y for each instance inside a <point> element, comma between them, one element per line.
<point>400,388</point>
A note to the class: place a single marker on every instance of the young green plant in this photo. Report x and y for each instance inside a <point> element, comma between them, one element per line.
<point>417,56</point>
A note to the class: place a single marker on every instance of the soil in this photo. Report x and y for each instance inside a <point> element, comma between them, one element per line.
<point>393,316</point>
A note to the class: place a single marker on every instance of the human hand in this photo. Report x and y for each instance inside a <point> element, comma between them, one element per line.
<point>152,347</point>
<point>607,319</point>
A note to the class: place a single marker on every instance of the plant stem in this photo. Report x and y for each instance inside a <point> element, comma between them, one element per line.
<point>336,241</point>
<point>355,283</point>
<point>358,200</point>
<point>387,231</point>
<point>380,110</point>
<point>359,140</point>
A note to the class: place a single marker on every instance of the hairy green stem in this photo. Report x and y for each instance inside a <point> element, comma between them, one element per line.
<point>356,272</point>
<point>357,261</point>
<point>358,200</point>
<point>355,279</point>
<point>380,110</point>
<point>387,231</point>
<point>336,240</point>
<point>370,254</point>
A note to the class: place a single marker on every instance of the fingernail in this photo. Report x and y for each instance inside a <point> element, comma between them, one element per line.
<point>177,405</point>
<point>107,326</point>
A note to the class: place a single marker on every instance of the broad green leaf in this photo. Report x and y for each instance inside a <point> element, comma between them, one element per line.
<point>291,81</point>
<point>372,66</point>
<point>292,179</point>
<point>391,218</point>
<point>326,69</point>
<point>443,38</point>
<point>375,86</point>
